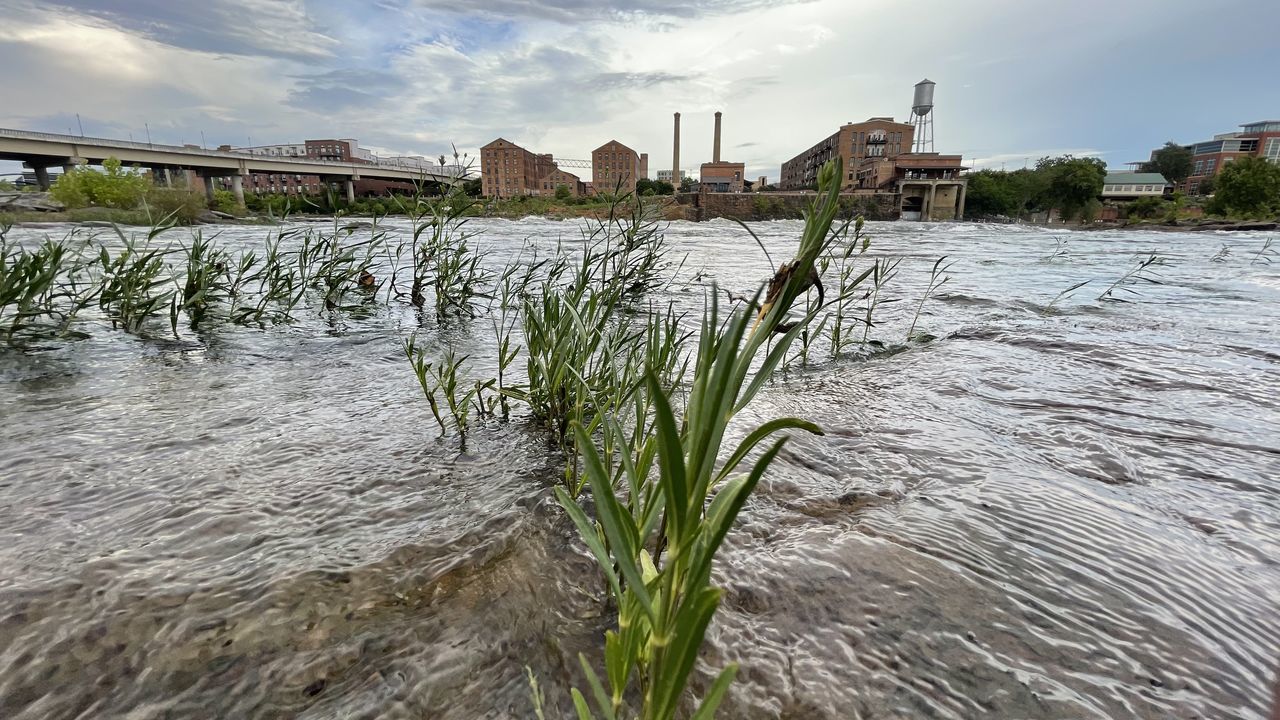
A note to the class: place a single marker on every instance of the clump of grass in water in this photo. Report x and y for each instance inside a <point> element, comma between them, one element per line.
<point>937,278</point>
<point>132,280</point>
<point>1142,273</point>
<point>441,385</point>
<point>1064,294</point>
<point>1265,254</point>
<point>665,606</point>
<point>575,336</point>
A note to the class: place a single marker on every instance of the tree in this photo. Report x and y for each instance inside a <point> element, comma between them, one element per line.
<point>1208,185</point>
<point>688,184</point>
<point>114,187</point>
<point>1247,186</point>
<point>659,187</point>
<point>472,187</point>
<point>989,194</point>
<point>1068,183</point>
<point>563,192</point>
<point>1173,161</point>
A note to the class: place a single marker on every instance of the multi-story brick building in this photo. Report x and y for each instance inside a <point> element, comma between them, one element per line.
<point>878,137</point>
<point>1258,139</point>
<point>508,170</point>
<point>616,168</point>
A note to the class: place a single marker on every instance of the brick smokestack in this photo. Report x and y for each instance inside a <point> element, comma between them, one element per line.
<point>675,157</point>
<point>715,152</point>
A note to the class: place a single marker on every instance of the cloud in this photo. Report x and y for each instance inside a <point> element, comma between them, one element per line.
<point>271,28</point>
<point>629,80</point>
<point>576,11</point>
<point>345,89</point>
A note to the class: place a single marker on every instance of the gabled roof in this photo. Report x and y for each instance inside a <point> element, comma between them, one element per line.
<point>612,142</point>
<point>498,140</point>
<point>1135,179</point>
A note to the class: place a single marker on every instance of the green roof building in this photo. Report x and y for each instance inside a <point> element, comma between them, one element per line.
<point>1130,186</point>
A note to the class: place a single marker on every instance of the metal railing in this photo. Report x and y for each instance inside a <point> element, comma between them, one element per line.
<point>447,170</point>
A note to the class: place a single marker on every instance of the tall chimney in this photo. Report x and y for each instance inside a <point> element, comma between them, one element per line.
<point>675,157</point>
<point>715,153</point>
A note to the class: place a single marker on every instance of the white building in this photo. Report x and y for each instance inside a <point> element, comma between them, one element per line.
<point>1130,186</point>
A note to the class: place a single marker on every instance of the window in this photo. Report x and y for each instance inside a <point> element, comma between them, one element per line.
<point>1272,151</point>
<point>1199,168</point>
<point>1213,162</point>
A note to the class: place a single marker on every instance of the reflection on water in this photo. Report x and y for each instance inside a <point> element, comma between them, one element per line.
<point>1043,513</point>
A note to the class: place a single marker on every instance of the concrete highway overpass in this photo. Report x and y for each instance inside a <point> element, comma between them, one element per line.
<point>40,151</point>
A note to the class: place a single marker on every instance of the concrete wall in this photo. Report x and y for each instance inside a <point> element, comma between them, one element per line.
<point>779,205</point>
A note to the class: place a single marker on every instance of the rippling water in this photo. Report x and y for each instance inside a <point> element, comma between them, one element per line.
<point>1065,512</point>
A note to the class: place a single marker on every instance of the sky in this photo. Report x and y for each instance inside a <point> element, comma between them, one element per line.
<point>1016,79</point>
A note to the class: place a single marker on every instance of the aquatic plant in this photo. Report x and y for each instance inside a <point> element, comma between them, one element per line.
<point>881,273</point>
<point>1141,273</point>
<point>847,284</point>
<point>207,279</point>
<point>1059,250</point>
<point>29,282</point>
<point>1064,294</point>
<point>581,356</point>
<point>1265,254</point>
<point>1222,255</point>
<point>132,282</point>
<point>665,604</point>
<point>937,278</point>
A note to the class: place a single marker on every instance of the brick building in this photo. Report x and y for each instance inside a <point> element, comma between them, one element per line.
<point>1258,139</point>
<point>616,167</point>
<point>508,170</point>
<point>878,137</point>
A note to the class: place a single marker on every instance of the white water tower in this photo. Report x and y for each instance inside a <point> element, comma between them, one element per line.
<point>922,116</point>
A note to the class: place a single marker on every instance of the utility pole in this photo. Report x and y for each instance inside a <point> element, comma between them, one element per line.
<point>148,127</point>
<point>80,124</point>
<point>202,142</point>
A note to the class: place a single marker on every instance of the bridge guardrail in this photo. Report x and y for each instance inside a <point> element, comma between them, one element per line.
<point>450,170</point>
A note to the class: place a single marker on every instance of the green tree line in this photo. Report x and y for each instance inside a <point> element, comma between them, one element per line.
<point>1068,184</point>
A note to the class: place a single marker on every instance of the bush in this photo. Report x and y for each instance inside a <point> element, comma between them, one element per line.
<point>184,205</point>
<point>1147,207</point>
<point>114,187</point>
<point>563,192</point>
<point>225,201</point>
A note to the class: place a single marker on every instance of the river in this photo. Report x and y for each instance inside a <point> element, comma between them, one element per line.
<point>1056,508</point>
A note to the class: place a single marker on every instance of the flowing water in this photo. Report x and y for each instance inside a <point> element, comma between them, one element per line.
<point>1047,511</point>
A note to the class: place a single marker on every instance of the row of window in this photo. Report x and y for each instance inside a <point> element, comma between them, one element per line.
<point>1132,188</point>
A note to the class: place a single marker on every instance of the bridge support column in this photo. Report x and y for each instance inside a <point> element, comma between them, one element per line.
<point>68,167</point>
<point>42,176</point>
<point>237,187</point>
<point>351,191</point>
<point>208,189</point>
<point>960,202</point>
<point>928,203</point>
